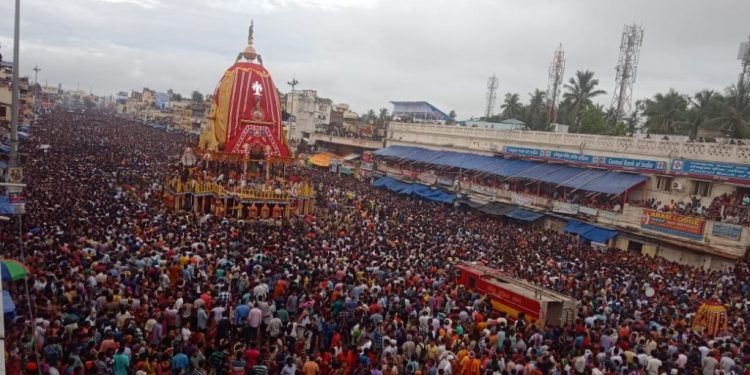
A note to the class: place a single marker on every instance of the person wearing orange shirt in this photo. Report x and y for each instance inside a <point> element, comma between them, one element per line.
<point>310,367</point>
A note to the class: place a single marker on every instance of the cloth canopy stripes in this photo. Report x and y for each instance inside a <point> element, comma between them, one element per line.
<point>592,180</point>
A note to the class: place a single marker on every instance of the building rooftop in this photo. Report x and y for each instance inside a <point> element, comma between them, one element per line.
<point>418,109</point>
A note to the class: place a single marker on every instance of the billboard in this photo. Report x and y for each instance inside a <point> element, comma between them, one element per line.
<point>673,224</point>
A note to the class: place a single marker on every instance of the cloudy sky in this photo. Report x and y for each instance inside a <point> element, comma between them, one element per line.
<point>368,52</point>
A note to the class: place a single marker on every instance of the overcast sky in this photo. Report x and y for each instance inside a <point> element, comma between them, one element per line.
<point>368,52</point>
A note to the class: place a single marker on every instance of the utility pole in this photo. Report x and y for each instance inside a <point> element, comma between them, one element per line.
<point>294,82</point>
<point>13,160</point>
<point>36,72</point>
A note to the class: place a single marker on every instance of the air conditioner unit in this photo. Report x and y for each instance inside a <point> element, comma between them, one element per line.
<point>676,186</point>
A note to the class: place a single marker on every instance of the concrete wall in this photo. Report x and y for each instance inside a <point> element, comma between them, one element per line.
<point>494,140</point>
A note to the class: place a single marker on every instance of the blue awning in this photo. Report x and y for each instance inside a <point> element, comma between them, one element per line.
<point>614,183</point>
<point>589,232</point>
<point>435,195</point>
<point>593,180</point>
<point>496,208</point>
<point>584,178</point>
<point>524,215</point>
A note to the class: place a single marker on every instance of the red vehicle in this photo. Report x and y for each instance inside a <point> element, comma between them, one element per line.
<point>515,297</point>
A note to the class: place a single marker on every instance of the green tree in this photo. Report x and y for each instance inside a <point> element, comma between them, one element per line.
<point>370,116</point>
<point>536,117</point>
<point>196,96</point>
<point>734,111</point>
<point>512,107</point>
<point>665,112</point>
<point>593,120</point>
<point>703,106</point>
<point>452,117</point>
<point>383,116</point>
<point>580,90</point>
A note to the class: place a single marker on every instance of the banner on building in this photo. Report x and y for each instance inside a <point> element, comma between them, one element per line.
<point>728,231</point>
<point>408,175</point>
<point>484,190</point>
<point>428,178</point>
<point>587,211</point>
<point>366,166</point>
<point>580,158</point>
<point>445,181</point>
<point>565,208</point>
<point>673,224</point>
<point>609,215</point>
<point>521,200</point>
<point>712,169</point>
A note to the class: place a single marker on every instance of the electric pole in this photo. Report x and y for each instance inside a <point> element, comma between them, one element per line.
<point>36,73</point>
<point>294,82</point>
<point>13,159</point>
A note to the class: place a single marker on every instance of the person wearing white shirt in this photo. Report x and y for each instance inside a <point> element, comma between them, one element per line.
<point>652,366</point>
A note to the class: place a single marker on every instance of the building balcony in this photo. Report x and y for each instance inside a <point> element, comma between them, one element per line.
<point>725,240</point>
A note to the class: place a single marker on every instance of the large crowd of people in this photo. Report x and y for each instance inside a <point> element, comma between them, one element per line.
<point>731,208</point>
<point>121,285</point>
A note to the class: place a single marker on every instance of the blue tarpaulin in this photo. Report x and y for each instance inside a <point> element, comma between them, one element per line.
<point>9,307</point>
<point>524,215</point>
<point>589,232</point>
<point>6,208</point>
<point>595,180</point>
<point>4,148</point>
<point>435,195</point>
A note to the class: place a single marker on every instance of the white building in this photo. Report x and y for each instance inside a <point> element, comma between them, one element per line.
<point>308,110</point>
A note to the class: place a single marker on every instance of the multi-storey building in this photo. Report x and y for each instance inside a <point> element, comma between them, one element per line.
<point>308,111</point>
<point>686,201</point>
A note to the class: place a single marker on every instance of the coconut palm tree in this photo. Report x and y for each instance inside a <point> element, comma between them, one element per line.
<point>383,116</point>
<point>535,111</point>
<point>370,116</point>
<point>704,105</point>
<point>512,106</point>
<point>734,112</point>
<point>665,112</point>
<point>580,90</point>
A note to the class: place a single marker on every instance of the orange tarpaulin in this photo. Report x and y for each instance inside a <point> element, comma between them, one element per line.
<point>323,159</point>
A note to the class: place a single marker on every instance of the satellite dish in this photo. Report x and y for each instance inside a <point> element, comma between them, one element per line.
<point>650,292</point>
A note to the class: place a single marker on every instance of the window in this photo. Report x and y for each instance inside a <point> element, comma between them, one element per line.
<point>663,183</point>
<point>701,188</point>
<point>3,110</point>
<point>472,282</point>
